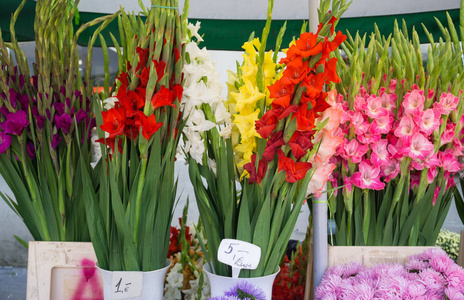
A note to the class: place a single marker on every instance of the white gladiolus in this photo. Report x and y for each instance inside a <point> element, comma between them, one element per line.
<point>201,87</point>
<point>109,103</point>
<point>194,30</point>
<point>174,282</point>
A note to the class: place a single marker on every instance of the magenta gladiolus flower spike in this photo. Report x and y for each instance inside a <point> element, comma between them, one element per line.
<point>5,141</point>
<point>15,122</point>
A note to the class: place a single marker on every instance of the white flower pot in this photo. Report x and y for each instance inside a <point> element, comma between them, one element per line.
<point>221,284</point>
<point>152,286</point>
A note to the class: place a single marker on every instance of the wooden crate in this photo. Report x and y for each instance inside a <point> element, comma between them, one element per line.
<point>64,271</point>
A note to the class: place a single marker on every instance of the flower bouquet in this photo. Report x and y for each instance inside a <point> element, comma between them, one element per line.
<point>46,121</point>
<point>402,126</point>
<point>272,147</point>
<point>429,275</point>
<point>130,195</point>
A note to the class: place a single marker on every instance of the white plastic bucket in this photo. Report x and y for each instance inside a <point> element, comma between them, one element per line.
<point>152,284</point>
<point>221,284</point>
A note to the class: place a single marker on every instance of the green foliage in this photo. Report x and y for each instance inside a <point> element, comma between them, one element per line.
<point>449,241</point>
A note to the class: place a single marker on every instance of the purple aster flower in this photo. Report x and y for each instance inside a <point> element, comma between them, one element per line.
<point>55,141</point>
<point>5,141</point>
<point>15,122</point>
<point>246,290</point>
<point>30,149</point>
<point>63,122</point>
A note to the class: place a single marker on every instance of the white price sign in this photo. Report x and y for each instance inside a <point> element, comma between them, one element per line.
<point>126,285</point>
<point>239,255</point>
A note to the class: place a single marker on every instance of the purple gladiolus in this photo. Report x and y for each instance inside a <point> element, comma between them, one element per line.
<point>81,115</point>
<point>30,150</point>
<point>40,120</point>
<point>15,122</point>
<point>64,122</point>
<point>5,141</point>
<point>13,98</point>
<point>55,141</point>
<point>68,102</point>
<point>24,101</point>
<point>59,107</point>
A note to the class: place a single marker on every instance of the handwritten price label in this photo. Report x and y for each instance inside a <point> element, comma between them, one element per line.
<point>239,255</point>
<point>126,285</point>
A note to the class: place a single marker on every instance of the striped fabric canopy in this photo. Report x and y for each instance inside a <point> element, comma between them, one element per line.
<point>226,24</point>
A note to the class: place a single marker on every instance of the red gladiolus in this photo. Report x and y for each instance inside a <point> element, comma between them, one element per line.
<point>296,70</point>
<point>178,90</point>
<point>159,66</point>
<point>144,76</point>
<point>110,142</point>
<point>295,171</point>
<point>266,125</point>
<point>114,121</point>
<point>281,91</point>
<point>305,118</point>
<point>162,98</point>
<point>143,58</point>
<point>299,143</point>
<point>331,71</point>
<point>307,45</point>
<point>272,145</point>
<point>256,176</point>
<point>149,126</point>
<point>131,101</point>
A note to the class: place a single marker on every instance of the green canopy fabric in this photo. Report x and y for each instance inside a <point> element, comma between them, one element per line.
<point>229,34</point>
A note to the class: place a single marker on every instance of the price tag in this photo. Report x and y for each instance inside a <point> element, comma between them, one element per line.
<point>126,285</point>
<point>239,255</point>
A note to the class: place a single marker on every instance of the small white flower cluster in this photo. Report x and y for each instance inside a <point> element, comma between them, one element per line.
<point>202,92</point>
<point>174,283</point>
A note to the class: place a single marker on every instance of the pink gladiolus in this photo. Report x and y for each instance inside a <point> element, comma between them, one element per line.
<point>380,155</point>
<point>360,104</point>
<point>388,100</point>
<point>428,121</point>
<point>447,103</point>
<point>448,161</point>
<point>391,170</point>
<point>392,86</point>
<point>406,128</point>
<point>448,134</point>
<point>435,194</point>
<point>331,140</point>
<point>431,174</point>
<point>369,137</point>
<point>354,150</point>
<point>431,160</point>
<point>368,177</point>
<point>374,104</point>
<point>382,123</point>
<point>360,124</point>
<point>320,177</point>
<point>419,147</point>
<point>413,102</point>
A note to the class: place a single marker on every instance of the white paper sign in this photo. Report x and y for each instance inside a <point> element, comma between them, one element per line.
<point>126,285</point>
<point>239,255</point>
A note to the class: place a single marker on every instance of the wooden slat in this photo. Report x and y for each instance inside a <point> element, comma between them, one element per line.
<point>461,250</point>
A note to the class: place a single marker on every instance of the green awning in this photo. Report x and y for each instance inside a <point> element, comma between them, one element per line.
<point>230,34</point>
